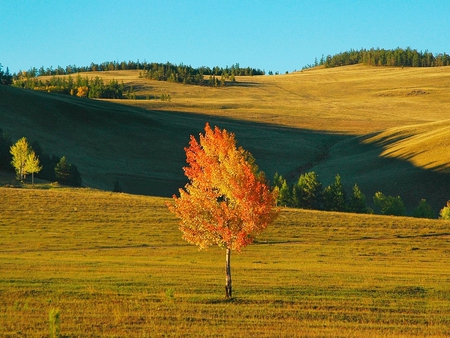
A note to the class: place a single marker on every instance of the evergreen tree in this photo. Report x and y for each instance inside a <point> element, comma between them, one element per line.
<point>389,205</point>
<point>307,193</point>
<point>5,155</point>
<point>5,77</point>
<point>423,210</point>
<point>284,195</point>
<point>67,173</point>
<point>277,180</point>
<point>334,197</point>
<point>357,201</point>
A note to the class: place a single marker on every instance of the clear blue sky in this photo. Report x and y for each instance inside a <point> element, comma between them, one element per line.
<point>271,35</point>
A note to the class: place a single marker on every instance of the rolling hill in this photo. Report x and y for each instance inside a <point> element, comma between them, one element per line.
<point>383,128</point>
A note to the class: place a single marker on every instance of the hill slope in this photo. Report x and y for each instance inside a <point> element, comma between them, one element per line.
<point>142,149</point>
<point>344,120</point>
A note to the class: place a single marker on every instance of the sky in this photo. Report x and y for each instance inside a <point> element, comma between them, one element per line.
<point>275,35</point>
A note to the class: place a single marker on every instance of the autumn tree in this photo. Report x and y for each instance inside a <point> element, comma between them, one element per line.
<point>227,200</point>
<point>82,91</point>
<point>32,165</point>
<point>24,159</point>
<point>445,212</point>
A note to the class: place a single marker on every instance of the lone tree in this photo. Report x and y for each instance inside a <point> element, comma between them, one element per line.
<point>227,201</point>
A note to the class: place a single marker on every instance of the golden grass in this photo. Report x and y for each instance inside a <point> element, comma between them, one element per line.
<point>354,99</point>
<point>426,145</point>
<point>115,266</point>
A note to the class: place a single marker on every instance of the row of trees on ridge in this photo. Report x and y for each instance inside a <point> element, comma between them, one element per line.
<point>161,71</point>
<point>80,86</point>
<point>398,57</point>
<point>5,76</point>
<point>189,75</point>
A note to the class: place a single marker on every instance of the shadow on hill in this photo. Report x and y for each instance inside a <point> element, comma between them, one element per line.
<point>143,150</point>
<point>242,84</point>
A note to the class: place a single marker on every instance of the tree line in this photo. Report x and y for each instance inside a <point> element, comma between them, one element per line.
<point>308,193</point>
<point>189,75</point>
<point>25,159</point>
<point>182,71</point>
<point>5,77</point>
<point>398,57</point>
<point>80,86</point>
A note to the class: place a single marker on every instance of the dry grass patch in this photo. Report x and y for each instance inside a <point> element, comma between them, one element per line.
<point>115,265</point>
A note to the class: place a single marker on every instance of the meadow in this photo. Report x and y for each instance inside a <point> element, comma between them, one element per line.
<point>114,265</point>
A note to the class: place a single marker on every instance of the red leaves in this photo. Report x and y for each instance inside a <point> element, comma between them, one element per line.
<point>226,201</point>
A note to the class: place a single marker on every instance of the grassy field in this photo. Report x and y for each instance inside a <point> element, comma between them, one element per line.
<point>383,128</point>
<point>114,265</point>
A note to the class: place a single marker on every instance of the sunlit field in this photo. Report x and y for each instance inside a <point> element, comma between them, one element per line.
<point>114,265</point>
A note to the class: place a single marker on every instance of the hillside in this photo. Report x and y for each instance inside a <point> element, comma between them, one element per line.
<point>343,120</point>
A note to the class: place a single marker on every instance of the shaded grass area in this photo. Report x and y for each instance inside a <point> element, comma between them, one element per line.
<point>143,149</point>
<point>115,265</point>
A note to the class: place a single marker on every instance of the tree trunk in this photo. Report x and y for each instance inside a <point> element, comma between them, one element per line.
<point>228,290</point>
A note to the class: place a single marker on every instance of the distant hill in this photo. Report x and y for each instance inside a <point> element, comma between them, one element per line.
<point>383,128</point>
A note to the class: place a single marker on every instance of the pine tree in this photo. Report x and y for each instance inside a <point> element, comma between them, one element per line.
<point>284,195</point>
<point>389,205</point>
<point>334,196</point>
<point>357,201</point>
<point>67,173</point>
<point>423,210</point>
<point>307,193</point>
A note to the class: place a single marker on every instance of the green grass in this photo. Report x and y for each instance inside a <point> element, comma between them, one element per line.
<point>115,265</point>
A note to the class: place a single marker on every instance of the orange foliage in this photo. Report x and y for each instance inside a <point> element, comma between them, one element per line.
<point>82,91</point>
<point>227,200</point>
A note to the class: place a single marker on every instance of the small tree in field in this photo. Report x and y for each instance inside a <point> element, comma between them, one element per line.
<point>24,159</point>
<point>445,212</point>
<point>19,152</point>
<point>227,200</point>
<point>32,165</point>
